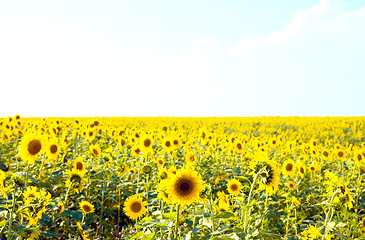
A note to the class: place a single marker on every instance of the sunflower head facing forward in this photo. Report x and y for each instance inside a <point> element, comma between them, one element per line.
<point>234,187</point>
<point>185,186</point>
<point>86,207</point>
<point>134,207</point>
<point>30,147</point>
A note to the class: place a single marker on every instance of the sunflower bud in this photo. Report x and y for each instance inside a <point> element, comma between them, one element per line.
<point>17,180</point>
<point>146,169</point>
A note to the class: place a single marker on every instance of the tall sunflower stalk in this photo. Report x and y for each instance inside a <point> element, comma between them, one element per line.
<point>248,203</point>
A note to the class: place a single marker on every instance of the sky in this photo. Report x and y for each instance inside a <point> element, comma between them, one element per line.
<point>66,58</point>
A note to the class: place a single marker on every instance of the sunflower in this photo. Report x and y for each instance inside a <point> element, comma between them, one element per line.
<point>146,143</point>
<point>29,194</point>
<point>176,142</point>
<point>302,169</point>
<point>61,207</point>
<point>167,144</point>
<point>313,168</point>
<point>53,149</point>
<point>190,159</point>
<point>288,167</point>
<point>30,147</point>
<point>267,172</point>
<point>160,162</point>
<point>295,201</point>
<point>291,185</point>
<point>86,207</point>
<point>83,235</point>
<point>358,157</point>
<point>95,150</point>
<point>162,194</point>
<point>2,183</point>
<point>234,187</point>
<point>76,179</point>
<point>340,154</point>
<point>134,207</point>
<point>311,233</point>
<point>184,187</point>
<point>223,203</point>
<point>238,146</point>
<point>79,164</point>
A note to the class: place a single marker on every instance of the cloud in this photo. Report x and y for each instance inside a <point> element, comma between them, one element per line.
<point>323,21</point>
<point>192,62</point>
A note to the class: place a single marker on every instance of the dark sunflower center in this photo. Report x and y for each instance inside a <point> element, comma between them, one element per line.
<point>312,168</point>
<point>359,157</point>
<point>122,142</point>
<point>239,146</point>
<point>184,187</point>
<point>31,195</point>
<point>291,185</point>
<point>136,207</point>
<point>314,143</point>
<point>91,134</point>
<point>274,142</point>
<point>176,142</point>
<point>167,144</point>
<point>76,178</point>
<point>340,154</point>
<point>96,153</point>
<point>86,208</point>
<point>325,153</point>
<point>147,142</point>
<point>234,187</point>
<point>34,147</point>
<point>79,166</point>
<point>191,158</point>
<point>160,162</point>
<point>301,170</point>
<point>289,167</point>
<point>53,149</point>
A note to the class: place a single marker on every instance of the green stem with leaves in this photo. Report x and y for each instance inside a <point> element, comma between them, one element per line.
<point>328,213</point>
<point>177,221</point>
<point>248,203</point>
<point>11,214</point>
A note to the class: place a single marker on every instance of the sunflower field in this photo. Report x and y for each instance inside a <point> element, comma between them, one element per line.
<point>182,178</point>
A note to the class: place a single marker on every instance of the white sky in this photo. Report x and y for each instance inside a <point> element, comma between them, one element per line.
<point>212,58</point>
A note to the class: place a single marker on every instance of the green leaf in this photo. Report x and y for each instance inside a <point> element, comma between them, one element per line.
<point>270,234</point>
<point>2,223</point>
<point>171,215</point>
<point>343,237</point>
<point>138,235</point>
<point>224,215</point>
<point>49,234</point>
<point>149,237</point>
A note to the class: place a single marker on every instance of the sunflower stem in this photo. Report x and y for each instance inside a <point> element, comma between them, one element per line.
<point>177,221</point>
<point>11,214</point>
<point>328,213</point>
<point>102,200</point>
<point>41,169</point>
<point>26,176</point>
<point>147,193</point>
<point>68,190</point>
<point>245,223</point>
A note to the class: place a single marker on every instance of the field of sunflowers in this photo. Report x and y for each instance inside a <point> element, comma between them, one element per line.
<point>182,178</point>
